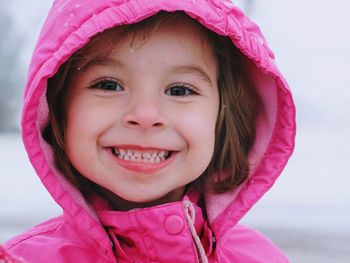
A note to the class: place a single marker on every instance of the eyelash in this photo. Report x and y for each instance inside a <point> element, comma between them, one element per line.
<point>180,89</point>
<point>184,88</point>
<point>98,84</point>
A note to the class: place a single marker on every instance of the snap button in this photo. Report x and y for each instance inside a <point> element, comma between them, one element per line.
<point>174,224</point>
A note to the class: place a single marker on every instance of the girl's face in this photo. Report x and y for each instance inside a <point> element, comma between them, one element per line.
<point>141,121</point>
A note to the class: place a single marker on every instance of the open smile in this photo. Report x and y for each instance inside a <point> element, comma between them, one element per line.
<point>143,160</point>
<point>144,156</point>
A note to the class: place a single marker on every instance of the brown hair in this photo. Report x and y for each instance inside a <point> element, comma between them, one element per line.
<point>235,128</point>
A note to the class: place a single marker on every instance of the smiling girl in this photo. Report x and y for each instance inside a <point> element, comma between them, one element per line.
<point>156,125</point>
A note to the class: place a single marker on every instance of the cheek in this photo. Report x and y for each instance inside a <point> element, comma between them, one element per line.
<point>199,131</point>
<point>87,119</point>
<point>83,127</point>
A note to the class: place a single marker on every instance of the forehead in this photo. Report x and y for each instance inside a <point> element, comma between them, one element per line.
<point>138,34</point>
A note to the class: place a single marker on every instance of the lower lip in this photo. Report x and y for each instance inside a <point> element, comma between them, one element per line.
<point>146,168</point>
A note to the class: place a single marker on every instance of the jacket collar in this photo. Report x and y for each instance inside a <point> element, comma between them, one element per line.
<point>159,233</point>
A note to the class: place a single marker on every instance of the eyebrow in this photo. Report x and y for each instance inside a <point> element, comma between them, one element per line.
<point>178,69</point>
<point>192,69</point>
<point>104,61</point>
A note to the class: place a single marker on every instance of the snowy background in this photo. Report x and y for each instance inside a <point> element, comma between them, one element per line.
<point>307,213</point>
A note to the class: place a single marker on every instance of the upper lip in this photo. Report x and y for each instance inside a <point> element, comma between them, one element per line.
<point>139,148</point>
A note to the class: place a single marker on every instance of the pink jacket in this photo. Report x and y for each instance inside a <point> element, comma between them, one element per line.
<point>5,257</point>
<point>174,232</point>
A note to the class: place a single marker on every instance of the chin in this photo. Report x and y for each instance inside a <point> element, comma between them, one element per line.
<point>141,201</point>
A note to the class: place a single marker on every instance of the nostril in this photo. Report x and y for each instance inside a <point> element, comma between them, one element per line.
<point>133,123</point>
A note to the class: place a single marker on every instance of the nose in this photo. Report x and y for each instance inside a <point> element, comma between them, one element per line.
<point>144,112</point>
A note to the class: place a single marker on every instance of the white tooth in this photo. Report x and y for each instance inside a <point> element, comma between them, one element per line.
<point>147,155</point>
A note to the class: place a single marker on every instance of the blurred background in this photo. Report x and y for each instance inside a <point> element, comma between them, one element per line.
<point>307,213</point>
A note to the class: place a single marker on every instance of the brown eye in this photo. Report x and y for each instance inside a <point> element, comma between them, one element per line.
<point>108,85</point>
<point>179,90</point>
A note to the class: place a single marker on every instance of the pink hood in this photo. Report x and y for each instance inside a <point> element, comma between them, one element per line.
<point>70,25</point>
